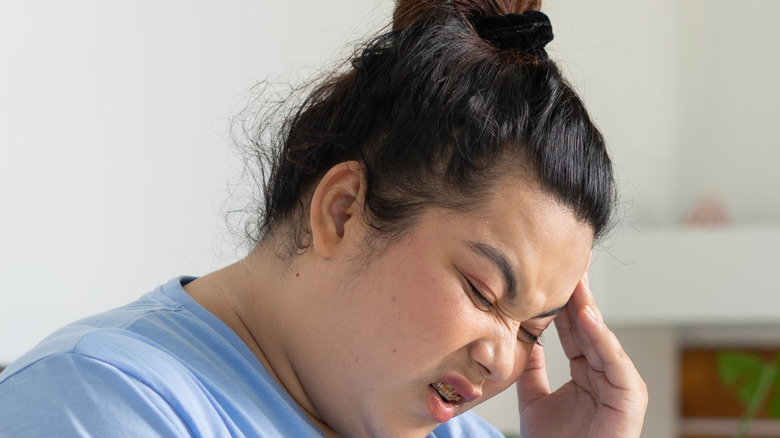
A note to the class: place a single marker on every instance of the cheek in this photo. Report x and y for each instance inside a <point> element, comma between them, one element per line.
<point>432,307</point>
<point>418,309</point>
<point>427,315</point>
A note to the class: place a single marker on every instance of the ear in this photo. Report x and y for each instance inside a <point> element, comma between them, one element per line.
<point>336,207</point>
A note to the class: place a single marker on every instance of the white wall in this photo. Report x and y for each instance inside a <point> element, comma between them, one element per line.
<point>114,157</point>
<point>687,95</point>
<point>729,147</point>
<point>623,56</point>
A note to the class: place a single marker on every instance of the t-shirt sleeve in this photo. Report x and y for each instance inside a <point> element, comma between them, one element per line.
<point>69,395</point>
<point>466,425</point>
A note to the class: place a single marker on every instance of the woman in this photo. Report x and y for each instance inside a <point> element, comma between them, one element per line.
<point>430,212</point>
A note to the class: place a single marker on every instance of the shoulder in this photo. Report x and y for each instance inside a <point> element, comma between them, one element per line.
<point>159,366</point>
<point>118,381</point>
<point>100,373</point>
<point>101,380</point>
<point>69,394</point>
<point>466,425</point>
<point>91,333</point>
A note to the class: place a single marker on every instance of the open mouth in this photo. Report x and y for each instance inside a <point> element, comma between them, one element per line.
<point>447,392</point>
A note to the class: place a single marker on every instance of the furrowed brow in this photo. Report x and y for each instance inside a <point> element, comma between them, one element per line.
<point>495,256</point>
<point>550,313</point>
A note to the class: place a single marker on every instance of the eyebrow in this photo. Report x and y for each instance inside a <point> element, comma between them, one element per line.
<point>510,281</point>
<point>551,312</point>
<point>497,258</point>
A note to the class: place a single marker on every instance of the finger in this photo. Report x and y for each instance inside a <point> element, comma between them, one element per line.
<point>603,351</point>
<point>597,361</point>
<point>566,333</point>
<point>565,323</point>
<point>568,329</point>
<point>582,295</point>
<point>533,382</point>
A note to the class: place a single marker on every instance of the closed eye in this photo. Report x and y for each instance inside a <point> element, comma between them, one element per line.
<point>530,337</point>
<point>484,304</point>
<point>480,301</point>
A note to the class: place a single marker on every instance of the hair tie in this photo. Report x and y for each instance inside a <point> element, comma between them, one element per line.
<point>528,32</point>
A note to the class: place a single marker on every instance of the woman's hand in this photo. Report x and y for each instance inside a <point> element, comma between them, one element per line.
<point>605,398</point>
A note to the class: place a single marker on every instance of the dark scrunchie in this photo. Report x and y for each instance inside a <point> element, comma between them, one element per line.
<point>528,32</point>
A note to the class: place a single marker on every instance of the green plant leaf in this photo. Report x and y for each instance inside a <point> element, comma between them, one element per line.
<point>773,406</point>
<point>748,390</point>
<point>742,371</point>
<point>735,365</point>
<point>777,364</point>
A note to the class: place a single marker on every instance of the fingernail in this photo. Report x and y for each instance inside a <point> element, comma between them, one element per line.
<point>590,313</point>
<point>586,279</point>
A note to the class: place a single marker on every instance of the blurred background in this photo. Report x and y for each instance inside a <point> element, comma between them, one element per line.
<point>117,170</point>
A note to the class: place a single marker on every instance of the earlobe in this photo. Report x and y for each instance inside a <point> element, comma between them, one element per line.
<point>336,206</point>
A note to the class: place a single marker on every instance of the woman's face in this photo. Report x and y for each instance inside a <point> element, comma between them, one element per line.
<point>455,304</point>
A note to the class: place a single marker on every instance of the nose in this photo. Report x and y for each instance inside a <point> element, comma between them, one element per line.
<point>496,352</point>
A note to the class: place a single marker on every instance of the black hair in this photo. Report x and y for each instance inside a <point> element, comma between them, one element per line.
<point>436,116</point>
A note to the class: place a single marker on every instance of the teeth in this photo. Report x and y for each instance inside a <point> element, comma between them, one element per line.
<point>447,391</point>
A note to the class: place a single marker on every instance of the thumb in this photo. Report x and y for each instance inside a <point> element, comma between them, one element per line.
<point>533,383</point>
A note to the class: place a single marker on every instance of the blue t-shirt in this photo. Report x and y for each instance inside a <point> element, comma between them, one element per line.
<point>161,366</point>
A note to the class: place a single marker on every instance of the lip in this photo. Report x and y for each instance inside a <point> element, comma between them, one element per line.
<point>467,391</point>
<point>441,411</point>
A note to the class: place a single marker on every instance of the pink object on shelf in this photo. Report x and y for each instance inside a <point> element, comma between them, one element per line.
<point>708,212</point>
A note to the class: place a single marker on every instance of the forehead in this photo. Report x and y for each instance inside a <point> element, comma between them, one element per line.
<point>518,212</point>
<point>529,240</point>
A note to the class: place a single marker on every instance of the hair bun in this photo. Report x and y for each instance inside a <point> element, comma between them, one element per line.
<point>410,12</point>
<point>527,32</point>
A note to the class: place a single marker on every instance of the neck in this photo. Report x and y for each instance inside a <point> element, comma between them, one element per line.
<point>253,298</point>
